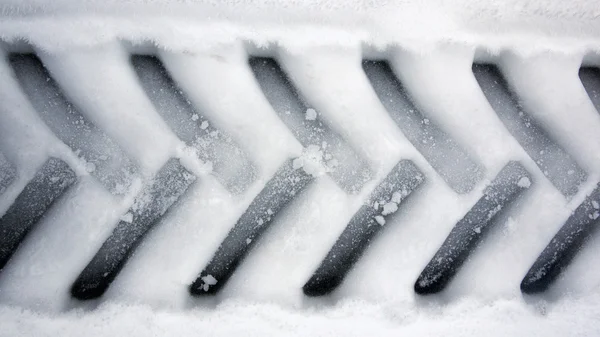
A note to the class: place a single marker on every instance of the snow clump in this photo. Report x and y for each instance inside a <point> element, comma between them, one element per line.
<point>311,161</point>
<point>311,114</point>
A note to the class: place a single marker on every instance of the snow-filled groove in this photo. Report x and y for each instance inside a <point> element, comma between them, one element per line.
<point>50,182</point>
<point>169,184</point>
<point>503,191</point>
<point>450,161</point>
<point>280,191</point>
<point>370,219</point>
<point>564,246</point>
<point>556,164</point>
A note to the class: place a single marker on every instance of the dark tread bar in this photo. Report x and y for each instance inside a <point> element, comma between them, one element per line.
<point>231,166</point>
<point>105,159</point>
<point>169,184</point>
<point>277,194</point>
<point>347,168</point>
<point>7,174</point>
<point>453,164</point>
<point>370,219</point>
<point>556,164</point>
<point>48,184</point>
<point>563,247</point>
<point>590,78</point>
<point>508,185</point>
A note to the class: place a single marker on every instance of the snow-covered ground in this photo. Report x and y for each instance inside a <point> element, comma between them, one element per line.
<point>86,47</point>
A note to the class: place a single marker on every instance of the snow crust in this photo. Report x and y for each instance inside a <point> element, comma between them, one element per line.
<point>569,317</point>
<point>527,24</point>
<point>320,44</point>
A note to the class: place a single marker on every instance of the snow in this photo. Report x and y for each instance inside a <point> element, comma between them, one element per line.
<point>320,44</point>
<point>389,208</point>
<point>397,197</point>
<point>208,280</point>
<point>127,217</point>
<point>90,167</point>
<point>524,182</point>
<point>311,161</point>
<point>380,220</point>
<point>311,114</point>
<point>349,318</point>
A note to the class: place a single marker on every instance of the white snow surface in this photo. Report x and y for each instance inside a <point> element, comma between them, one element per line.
<point>431,46</point>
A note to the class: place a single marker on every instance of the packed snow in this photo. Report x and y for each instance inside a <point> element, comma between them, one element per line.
<point>311,114</point>
<point>320,43</point>
<point>524,182</point>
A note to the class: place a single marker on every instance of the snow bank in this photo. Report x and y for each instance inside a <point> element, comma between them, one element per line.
<point>570,317</point>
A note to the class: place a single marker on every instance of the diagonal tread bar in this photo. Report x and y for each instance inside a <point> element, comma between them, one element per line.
<point>453,164</point>
<point>556,164</point>
<point>379,208</point>
<point>287,183</point>
<point>7,174</point>
<point>563,247</point>
<point>49,183</point>
<point>508,185</point>
<point>590,78</point>
<point>345,166</point>
<point>230,164</point>
<point>104,158</point>
<point>169,184</point>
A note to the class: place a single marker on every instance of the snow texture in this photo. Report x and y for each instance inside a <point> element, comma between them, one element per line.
<point>203,44</point>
